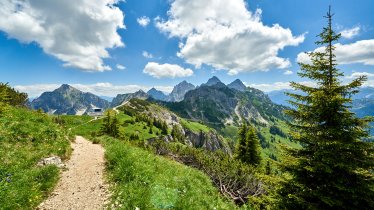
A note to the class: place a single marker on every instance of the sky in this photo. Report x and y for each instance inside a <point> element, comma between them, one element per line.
<point>109,47</point>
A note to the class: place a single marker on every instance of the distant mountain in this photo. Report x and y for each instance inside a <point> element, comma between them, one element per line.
<point>122,98</point>
<point>237,85</point>
<point>108,98</point>
<point>68,100</point>
<point>158,95</point>
<point>179,91</point>
<point>217,105</point>
<point>279,96</point>
<point>365,92</point>
<point>214,81</point>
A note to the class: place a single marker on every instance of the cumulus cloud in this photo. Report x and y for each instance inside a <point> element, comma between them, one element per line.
<point>370,76</point>
<point>101,89</point>
<point>350,33</point>
<point>143,21</point>
<point>120,67</point>
<point>147,54</point>
<point>78,33</point>
<point>359,74</point>
<point>288,72</point>
<point>166,70</point>
<point>357,52</point>
<point>226,35</point>
<point>268,87</point>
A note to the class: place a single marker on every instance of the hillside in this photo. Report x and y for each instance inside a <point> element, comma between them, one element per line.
<point>26,137</point>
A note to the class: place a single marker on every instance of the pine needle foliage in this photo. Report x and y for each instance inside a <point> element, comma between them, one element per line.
<point>334,168</point>
<point>248,149</point>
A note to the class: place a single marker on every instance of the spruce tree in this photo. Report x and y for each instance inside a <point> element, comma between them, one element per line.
<point>334,167</point>
<point>248,150</point>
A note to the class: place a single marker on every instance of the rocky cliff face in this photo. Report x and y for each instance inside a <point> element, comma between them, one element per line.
<point>179,91</point>
<point>122,98</point>
<point>68,100</point>
<point>210,141</point>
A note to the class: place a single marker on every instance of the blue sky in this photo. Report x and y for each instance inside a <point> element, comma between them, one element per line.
<point>46,43</point>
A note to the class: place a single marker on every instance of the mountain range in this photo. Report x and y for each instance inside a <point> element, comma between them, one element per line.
<point>212,102</point>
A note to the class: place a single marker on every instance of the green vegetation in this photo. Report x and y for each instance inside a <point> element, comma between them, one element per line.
<point>11,96</point>
<point>195,126</point>
<point>333,169</point>
<point>26,137</point>
<point>147,181</point>
<point>248,148</point>
<point>235,180</point>
<point>110,124</point>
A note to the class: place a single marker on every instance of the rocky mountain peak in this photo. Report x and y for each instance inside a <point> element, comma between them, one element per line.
<point>237,85</point>
<point>213,81</point>
<point>65,87</point>
<point>157,94</point>
<point>180,90</point>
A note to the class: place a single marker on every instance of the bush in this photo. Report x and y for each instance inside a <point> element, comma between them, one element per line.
<point>234,179</point>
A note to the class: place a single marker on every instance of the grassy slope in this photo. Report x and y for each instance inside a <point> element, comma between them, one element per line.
<point>26,137</point>
<point>148,181</point>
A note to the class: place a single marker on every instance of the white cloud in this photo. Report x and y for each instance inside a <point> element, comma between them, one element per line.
<point>226,35</point>
<point>120,67</point>
<point>78,33</point>
<point>370,76</point>
<point>359,74</point>
<point>279,86</point>
<point>288,72</point>
<point>357,52</point>
<point>147,54</point>
<point>101,89</point>
<point>350,33</point>
<point>143,21</point>
<point>166,70</point>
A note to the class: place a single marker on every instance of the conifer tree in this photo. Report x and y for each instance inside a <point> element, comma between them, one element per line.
<point>268,168</point>
<point>248,150</point>
<point>110,124</point>
<point>334,168</point>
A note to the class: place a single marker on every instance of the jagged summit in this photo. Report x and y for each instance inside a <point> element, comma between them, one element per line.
<point>157,94</point>
<point>237,85</point>
<point>180,90</point>
<point>213,81</point>
<point>65,87</point>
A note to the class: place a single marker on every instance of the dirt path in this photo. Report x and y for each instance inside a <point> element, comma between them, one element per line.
<point>82,185</point>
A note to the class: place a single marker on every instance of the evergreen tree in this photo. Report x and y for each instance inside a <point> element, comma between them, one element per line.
<point>114,127</point>
<point>248,150</point>
<point>164,128</point>
<point>110,124</point>
<point>268,168</point>
<point>10,96</point>
<point>334,168</point>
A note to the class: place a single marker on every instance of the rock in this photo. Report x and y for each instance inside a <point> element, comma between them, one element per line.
<point>54,160</point>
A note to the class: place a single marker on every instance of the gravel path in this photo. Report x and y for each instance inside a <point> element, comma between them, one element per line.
<point>82,185</point>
